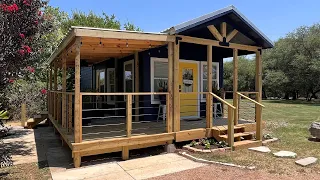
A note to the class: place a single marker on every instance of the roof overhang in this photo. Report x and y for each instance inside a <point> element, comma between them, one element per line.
<point>99,44</point>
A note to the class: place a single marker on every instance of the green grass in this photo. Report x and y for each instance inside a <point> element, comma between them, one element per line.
<point>289,121</point>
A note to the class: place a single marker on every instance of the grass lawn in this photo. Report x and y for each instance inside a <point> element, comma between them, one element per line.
<point>289,121</point>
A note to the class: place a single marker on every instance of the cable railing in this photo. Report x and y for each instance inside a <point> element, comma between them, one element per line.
<point>129,114</point>
<point>257,112</point>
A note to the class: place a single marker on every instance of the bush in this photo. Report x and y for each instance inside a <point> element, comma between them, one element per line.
<point>28,90</point>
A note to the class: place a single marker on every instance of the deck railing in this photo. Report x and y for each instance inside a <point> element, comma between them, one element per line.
<point>61,108</point>
<point>129,115</point>
<point>230,117</point>
<point>257,113</point>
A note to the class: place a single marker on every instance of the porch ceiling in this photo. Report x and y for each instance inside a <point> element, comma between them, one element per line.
<point>94,50</point>
<point>100,44</point>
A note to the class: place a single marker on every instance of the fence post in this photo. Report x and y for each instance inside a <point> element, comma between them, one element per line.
<point>230,126</point>
<point>23,114</point>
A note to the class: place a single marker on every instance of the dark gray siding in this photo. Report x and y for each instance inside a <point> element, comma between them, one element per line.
<point>86,78</point>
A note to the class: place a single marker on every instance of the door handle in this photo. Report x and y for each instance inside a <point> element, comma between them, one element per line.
<point>179,88</point>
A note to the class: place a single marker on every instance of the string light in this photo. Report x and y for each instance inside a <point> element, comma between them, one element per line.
<point>127,45</point>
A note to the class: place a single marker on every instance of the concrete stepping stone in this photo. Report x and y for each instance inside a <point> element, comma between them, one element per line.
<point>285,154</point>
<point>263,149</point>
<point>306,161</point>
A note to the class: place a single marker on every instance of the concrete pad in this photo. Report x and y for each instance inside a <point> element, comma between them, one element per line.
<point>306,161</point>
<point>89,172</point>
<point>286,154</point>
<point>113,176</point>
<point>150,161</point>
<point>160,169</point>
<point>263,149</point>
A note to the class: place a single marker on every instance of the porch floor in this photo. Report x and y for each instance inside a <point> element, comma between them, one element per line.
<point>116,128</point>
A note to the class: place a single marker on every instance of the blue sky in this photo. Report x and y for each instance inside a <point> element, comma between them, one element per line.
<point>273,17</point>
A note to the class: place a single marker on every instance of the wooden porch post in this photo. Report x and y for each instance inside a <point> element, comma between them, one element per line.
<point>176,87</point>
<point>77,104</point>
<point>64,90</point>
<point>170,88</point>
<point>55,88</point>
<point>235,85</point>
<point>125,149</point>
<point>136,84</point>
<point>258,88</point>
<point>209,98</point>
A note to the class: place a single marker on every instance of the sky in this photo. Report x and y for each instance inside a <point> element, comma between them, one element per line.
<point>275,18</point>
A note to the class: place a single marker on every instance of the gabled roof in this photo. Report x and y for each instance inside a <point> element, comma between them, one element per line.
<point>267,43</point>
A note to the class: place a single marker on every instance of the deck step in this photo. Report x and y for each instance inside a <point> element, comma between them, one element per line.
<point>36,120</point>
<point>246,144</point>
<point>236,135</point>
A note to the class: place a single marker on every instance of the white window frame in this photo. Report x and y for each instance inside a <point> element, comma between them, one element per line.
<point>124,77</point>
<point>109,101</point>
<point>152,61</point>
<point>202,64</point>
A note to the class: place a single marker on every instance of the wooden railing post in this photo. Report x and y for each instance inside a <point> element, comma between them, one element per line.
<point>168,114</point>
<point>129,115</point>
<point>125,149</point>
<point>258,122</point>
<point>209,111</point>
<point>69,113</point>
<point>224,106</point>
<point>230,126</point>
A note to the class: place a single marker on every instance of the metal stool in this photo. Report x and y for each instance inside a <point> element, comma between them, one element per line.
<point>163,114</point>
<point>215,107</point>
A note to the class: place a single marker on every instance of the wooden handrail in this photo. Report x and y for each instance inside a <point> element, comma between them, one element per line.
<point>243,92</point>
<point>250,99</point>
<point>222,100</point>
<point>115,94</point>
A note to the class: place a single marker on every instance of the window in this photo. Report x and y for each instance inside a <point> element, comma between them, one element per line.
<point>204,77</point>
<point>110,84</point>
<point>159,77</point>
<point>128,76</point>
<point>100,80</point>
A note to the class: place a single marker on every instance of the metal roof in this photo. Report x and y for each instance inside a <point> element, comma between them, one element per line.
<point>214,15</point>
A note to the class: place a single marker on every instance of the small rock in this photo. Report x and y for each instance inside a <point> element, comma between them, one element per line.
<point>170,148</point>
<point>315,129</point>
<point>287,154</point>
<point>263,149</point>
<point>306,161</point>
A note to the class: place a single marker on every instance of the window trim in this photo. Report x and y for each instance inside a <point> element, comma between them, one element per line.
<point>152,61</point>
<point>201,76</point>
<point>109,101</point>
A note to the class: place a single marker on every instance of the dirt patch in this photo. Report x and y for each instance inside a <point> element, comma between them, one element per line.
<point>230,173</point>
<point>34,171</point>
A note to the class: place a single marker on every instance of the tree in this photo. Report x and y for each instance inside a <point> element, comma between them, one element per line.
<point>91,19</point>
<point>22,24</point>
<point>246,74</point>
<point>295,62</point>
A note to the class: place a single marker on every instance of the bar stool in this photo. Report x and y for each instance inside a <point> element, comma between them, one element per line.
<point>215,108</point>
<point>162,114</point>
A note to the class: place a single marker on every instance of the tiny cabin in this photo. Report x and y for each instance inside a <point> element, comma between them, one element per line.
<point>138,89</point>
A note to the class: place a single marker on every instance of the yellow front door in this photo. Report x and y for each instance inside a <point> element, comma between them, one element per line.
<point>188,78</point>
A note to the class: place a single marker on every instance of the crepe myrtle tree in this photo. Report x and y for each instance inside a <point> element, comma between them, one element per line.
<point>22,23</point>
